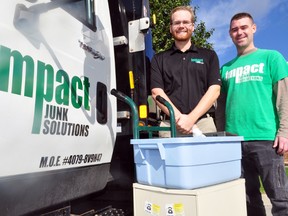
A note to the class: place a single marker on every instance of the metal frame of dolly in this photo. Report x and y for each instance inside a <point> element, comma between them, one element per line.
<point>136,127</point>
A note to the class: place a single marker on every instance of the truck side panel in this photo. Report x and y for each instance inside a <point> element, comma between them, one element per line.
<point>58,120</point>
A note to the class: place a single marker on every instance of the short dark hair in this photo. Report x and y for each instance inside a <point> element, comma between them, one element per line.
<point>240,16</point>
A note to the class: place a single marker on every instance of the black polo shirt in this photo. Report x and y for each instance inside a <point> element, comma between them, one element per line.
<point>185,76</point>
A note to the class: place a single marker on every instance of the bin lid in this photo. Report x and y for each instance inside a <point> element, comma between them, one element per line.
<point>190,140</point>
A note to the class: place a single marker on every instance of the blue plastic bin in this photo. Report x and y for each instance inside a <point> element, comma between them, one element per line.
<point>188,162</point>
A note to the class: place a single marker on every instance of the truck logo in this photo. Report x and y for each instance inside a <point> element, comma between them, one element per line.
<point>50,84</point>
<point>94,53</point>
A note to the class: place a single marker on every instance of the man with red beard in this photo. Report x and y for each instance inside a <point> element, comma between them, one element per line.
<point>187,77</point>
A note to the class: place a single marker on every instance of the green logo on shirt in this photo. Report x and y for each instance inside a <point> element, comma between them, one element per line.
<point>197,60</point>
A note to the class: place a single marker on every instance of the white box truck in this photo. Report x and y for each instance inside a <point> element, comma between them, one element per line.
<point>59,124</point>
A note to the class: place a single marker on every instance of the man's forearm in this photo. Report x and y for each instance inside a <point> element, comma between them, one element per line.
<point>159,91</point>
<point>205,103</point>
<point>281,90</point>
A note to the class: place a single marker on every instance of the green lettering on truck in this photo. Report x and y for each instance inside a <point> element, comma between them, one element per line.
<point>49,85</point>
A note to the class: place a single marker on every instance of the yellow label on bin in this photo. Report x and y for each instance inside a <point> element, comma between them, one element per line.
<point>176,209</point>
<point>152,208</point>
<point>155,209</point>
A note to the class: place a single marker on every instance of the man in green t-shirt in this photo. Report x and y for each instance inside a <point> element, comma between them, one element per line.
<point>255,86</point>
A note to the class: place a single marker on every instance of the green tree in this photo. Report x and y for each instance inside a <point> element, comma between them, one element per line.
<point>162,39</point>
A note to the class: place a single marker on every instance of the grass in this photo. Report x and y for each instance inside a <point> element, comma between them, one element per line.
<point>262,189</point>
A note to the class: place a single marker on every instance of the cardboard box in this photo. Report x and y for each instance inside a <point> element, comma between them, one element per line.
<point>226,199</point>
<point>188,162</point>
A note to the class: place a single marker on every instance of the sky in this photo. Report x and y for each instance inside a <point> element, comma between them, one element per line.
<point>270,16</point>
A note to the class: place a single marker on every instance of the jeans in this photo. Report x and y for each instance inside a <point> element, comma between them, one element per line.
<point>260,159</point>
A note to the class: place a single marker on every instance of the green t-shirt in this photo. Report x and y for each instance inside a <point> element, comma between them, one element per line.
<point>248,82</point>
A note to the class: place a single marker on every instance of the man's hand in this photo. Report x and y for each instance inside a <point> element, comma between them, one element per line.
<point>184,124</point>
<point>281,145</point>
